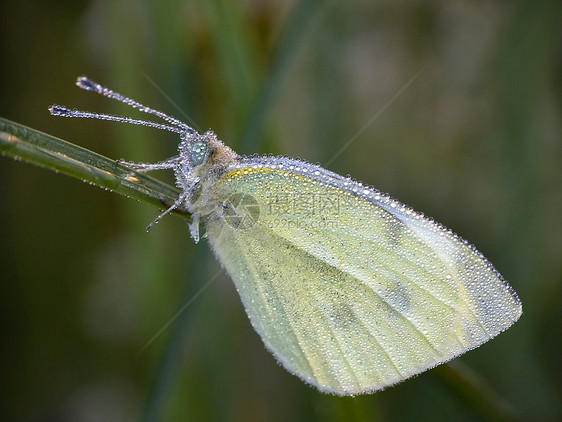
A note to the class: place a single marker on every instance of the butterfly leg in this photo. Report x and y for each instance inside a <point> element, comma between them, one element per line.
<point>181,199</point>
<point>146,167</point>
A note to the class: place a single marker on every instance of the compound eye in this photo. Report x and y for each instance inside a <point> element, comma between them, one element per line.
<point>198,153</point>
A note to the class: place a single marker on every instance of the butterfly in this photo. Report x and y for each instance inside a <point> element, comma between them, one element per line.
<point>350,289</point>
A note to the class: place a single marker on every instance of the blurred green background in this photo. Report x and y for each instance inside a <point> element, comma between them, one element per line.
<point>474,141</point>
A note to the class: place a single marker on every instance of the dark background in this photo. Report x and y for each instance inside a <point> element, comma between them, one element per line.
<point>474,141</point>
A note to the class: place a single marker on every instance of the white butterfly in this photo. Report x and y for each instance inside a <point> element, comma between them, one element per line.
<point>351,290</point>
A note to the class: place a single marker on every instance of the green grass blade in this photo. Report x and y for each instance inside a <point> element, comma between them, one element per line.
<point>29,145</point>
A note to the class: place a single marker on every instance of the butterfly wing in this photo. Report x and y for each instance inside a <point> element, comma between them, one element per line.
<point>349,289</point>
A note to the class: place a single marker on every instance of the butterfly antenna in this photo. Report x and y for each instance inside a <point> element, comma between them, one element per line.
<point>58,110</point>
<point>89,85</point>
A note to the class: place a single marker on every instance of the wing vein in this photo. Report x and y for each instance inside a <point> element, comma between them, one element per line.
<point>363,282</point>
<point>390,252</point>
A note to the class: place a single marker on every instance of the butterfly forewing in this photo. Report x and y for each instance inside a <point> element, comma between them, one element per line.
<point>349,289</point>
